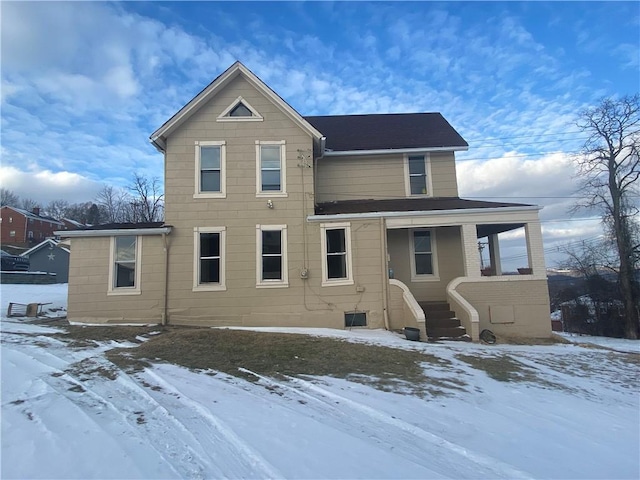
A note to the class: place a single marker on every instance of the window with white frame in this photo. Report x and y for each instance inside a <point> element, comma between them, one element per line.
<point>271,169</point>
<point>271,258</point>
<point>336,253</point>
<point>209,258</point>
<point>240,111</point>
<point>124,274</point>
<point>210,181</point>
<point>423,255</point>
<point>417,175</point>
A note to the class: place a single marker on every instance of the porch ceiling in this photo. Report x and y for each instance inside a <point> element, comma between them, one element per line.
<point>493,229</point>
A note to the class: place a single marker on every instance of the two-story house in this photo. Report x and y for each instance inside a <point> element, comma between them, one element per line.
<point>23,228</point>
<point>275,219</point>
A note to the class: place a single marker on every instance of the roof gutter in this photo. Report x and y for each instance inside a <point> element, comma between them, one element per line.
<point>113,232</point>
<point>388,151</point>
<point>420,213</point>
<point>159,143</point>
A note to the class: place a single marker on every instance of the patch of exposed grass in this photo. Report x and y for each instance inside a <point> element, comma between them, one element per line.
<point>504,368</point>
<point>281,355</point>
<point>85,336</point>
<point>89,368</point>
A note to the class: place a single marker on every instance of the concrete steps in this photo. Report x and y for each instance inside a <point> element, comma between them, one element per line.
<point>441,322</point>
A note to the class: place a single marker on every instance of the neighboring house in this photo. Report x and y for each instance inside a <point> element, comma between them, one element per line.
<point>72,224</point>
<point>25,229</point>
<point>275,219</point>
<point>51,257</point>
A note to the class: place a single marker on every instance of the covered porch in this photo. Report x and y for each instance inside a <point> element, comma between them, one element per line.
<point>436,276</point>
<point>437,257</point>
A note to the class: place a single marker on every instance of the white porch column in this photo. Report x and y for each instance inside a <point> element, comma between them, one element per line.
<point>470,252</point>
<point>535,248</point>
<point>494,254</point>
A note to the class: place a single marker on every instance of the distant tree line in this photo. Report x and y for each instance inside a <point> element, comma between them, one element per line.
<point>141,201</point>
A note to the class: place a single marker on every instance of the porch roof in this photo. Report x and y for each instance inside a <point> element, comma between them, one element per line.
<point>407,205</point>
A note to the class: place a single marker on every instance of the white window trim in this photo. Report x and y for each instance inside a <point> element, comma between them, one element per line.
<point>284,282</point>
<point>331,282</point>
<point>223,169</point>
<point>209,287</point>
<point>224,116</point>
<point>433,277</point>
<point>427,169</point>
<point>135,290</point>
<point>283,170</point>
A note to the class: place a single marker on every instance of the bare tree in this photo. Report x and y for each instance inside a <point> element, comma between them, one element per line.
<point>8,198</point>
<point>57,209</point>
<point>147,204</point>
<point>28,204</point>
<point>609,166</point>
<point>112,203</point>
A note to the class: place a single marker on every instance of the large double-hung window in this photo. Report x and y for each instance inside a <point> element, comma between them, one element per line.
<point>336,253</point>
<point>210,178</point>
<point>124,274</point>
<point>271,169</point>
<point>423,255</point>
<point>209,258</point>
<point>417,175</point>
<point>271,258</point>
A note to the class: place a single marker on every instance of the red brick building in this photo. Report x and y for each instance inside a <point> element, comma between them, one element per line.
<point>22,228</point>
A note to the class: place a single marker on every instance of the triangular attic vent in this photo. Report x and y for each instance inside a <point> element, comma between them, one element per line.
<point>240,111</point>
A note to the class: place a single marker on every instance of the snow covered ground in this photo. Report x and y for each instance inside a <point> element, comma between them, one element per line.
<point>566,411</point>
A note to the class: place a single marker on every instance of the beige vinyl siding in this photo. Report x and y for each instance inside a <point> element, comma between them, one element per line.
<point>443,173</point>
<point>303,302</point>
<point>357,177</point>
<point>448,257</point>
<point>527,301</point>
<point>88,284</point>
<point>379,176</point>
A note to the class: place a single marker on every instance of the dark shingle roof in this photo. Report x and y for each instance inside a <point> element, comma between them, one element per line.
<point>386,131</point>
<point>406,205</point>
<point>125,226</point>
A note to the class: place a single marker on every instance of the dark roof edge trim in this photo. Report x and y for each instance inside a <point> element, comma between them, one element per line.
<point>421,213</point>
<point>114,232</point>
<point>388,151</point>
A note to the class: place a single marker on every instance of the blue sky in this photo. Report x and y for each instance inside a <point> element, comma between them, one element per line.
<point>85,83</point>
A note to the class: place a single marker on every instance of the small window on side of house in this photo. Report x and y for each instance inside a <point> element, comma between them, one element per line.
<point>124,274</point>
<point>355,319</point>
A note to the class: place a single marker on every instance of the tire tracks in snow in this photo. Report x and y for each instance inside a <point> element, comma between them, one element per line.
<point>219,434</point>
<point>369,423</point>
<point>116,411</point>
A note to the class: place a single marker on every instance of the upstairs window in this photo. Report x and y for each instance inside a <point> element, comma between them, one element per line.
<point>210,169</point>
<point>240,111</point>
<point>270,169</point>
<point>417,175</point>
<point>271,258</point>
<point>125,265</point>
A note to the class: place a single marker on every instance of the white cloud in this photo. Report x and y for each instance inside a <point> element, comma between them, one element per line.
<point>44,186</point>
